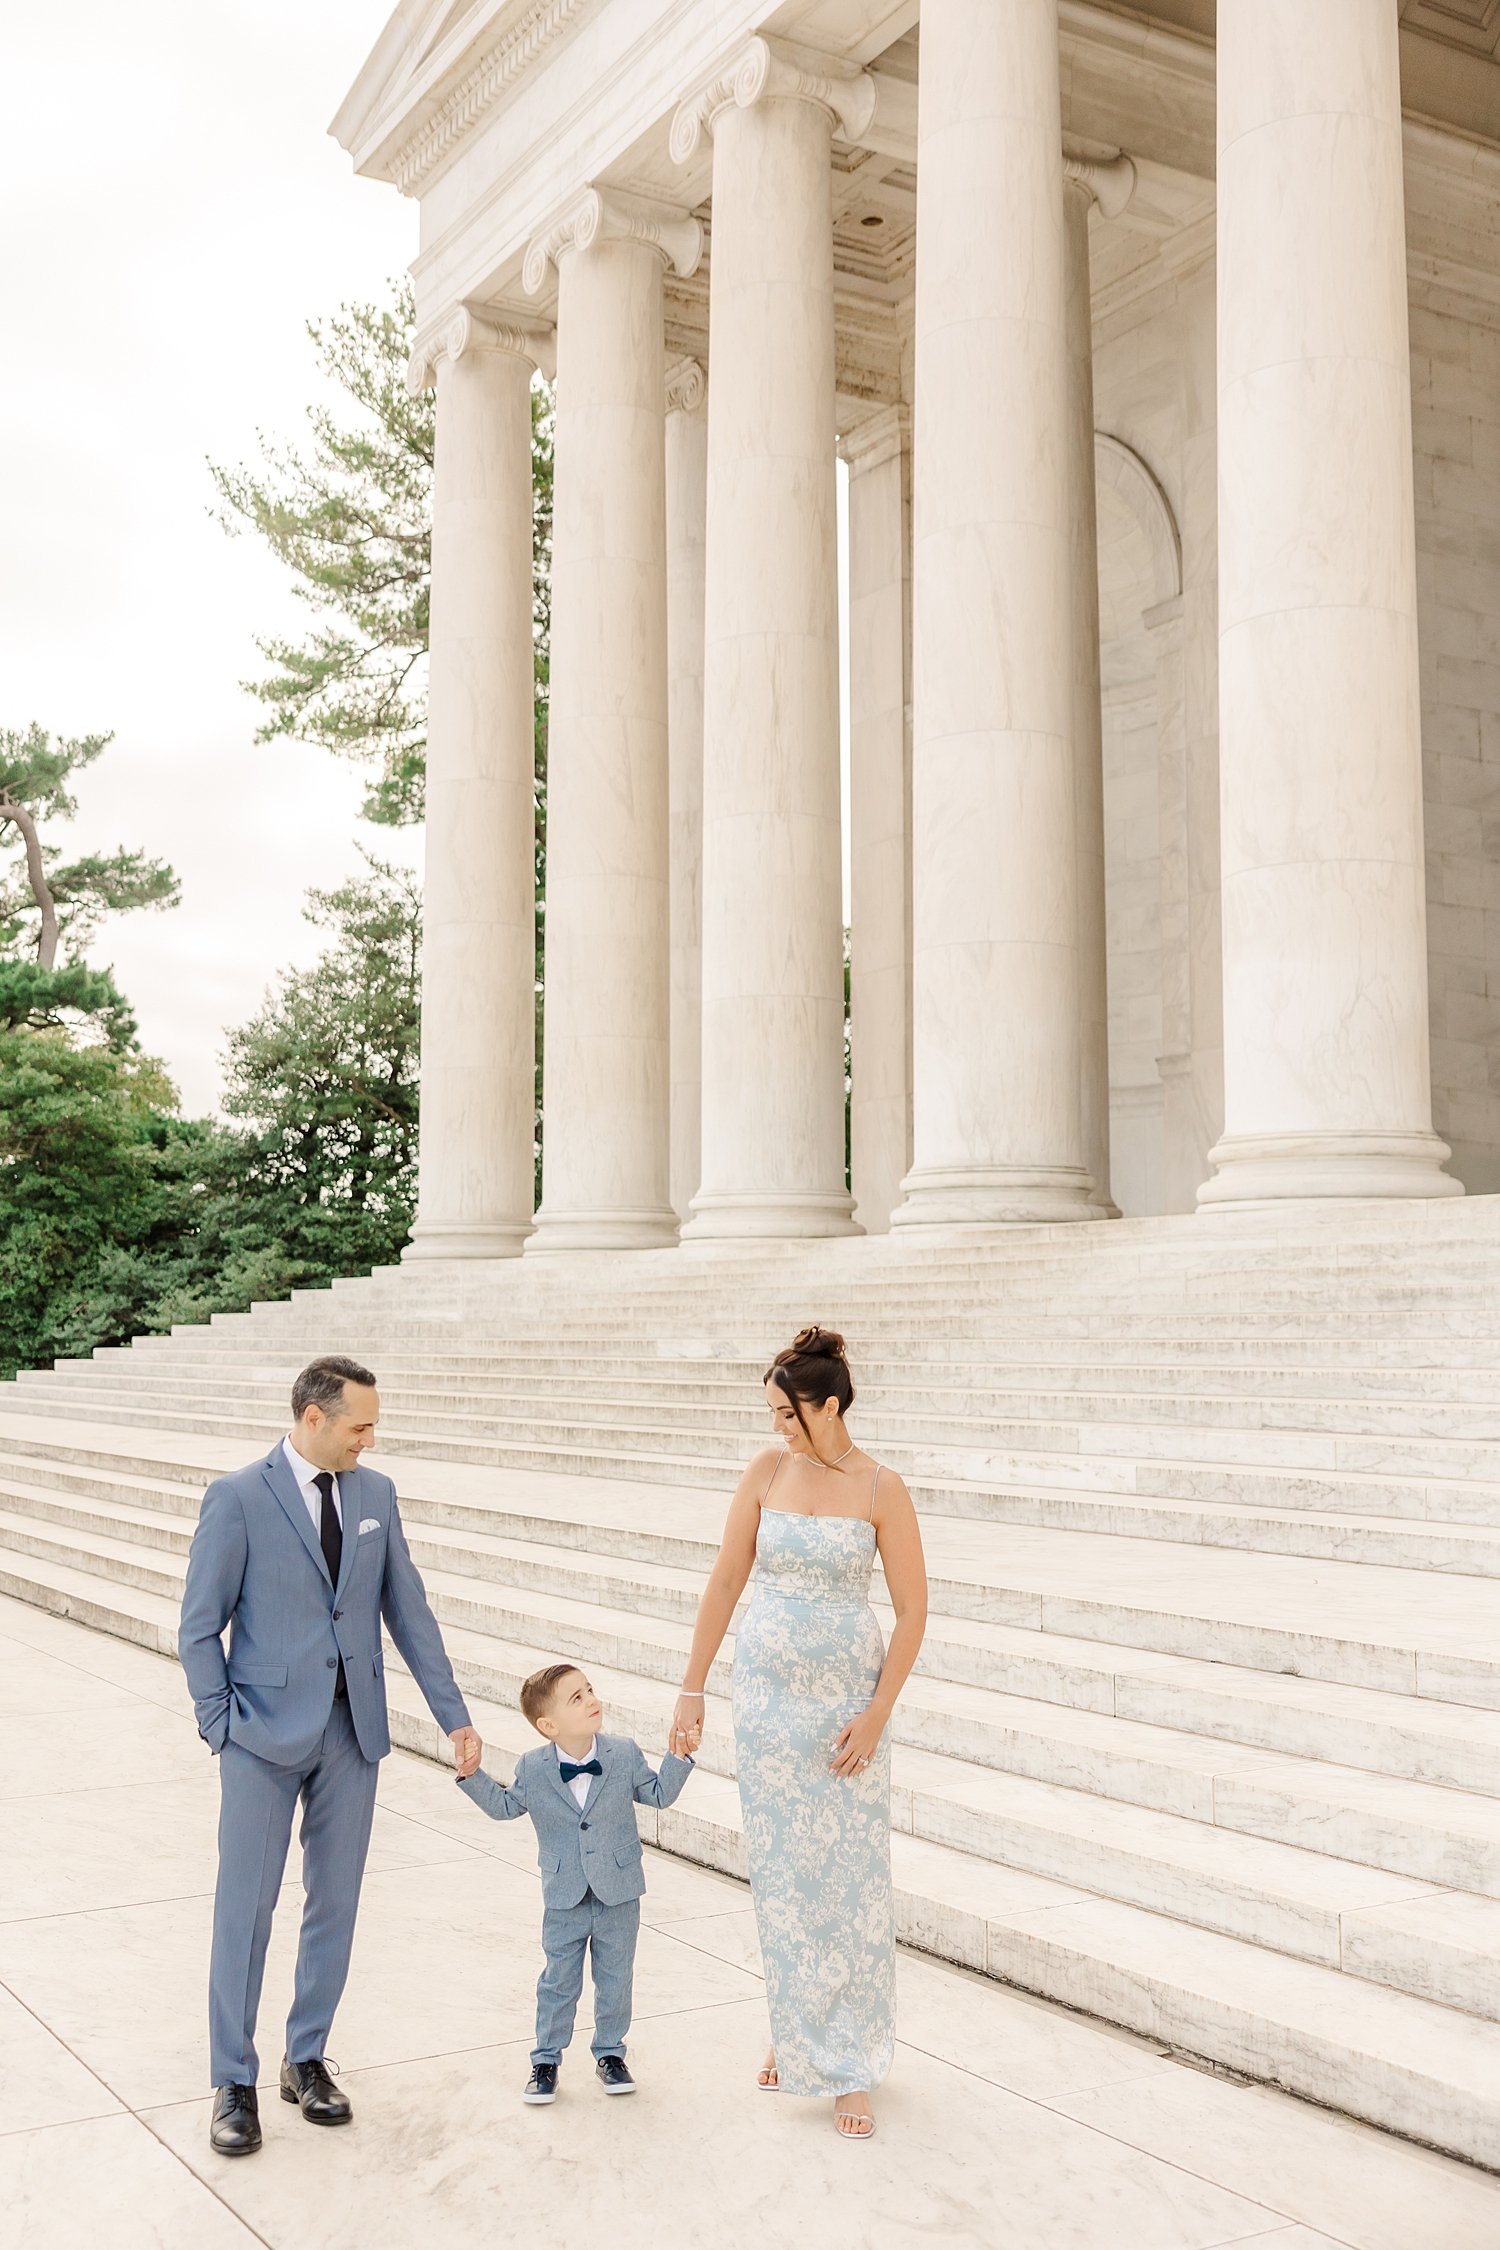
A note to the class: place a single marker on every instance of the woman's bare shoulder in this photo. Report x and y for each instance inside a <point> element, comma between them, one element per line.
<point>761,1466</point>
<point>891,1490</point>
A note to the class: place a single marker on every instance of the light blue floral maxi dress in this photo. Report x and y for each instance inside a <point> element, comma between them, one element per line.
<point>806,1660</point>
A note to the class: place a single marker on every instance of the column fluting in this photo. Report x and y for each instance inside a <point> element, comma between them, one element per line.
<point>997,1050</point>
<point>1110,186</point>
<point>475,1170</point>
<point>773,1079</point>
<point>1326,1075</point>
<point>687,497</point>
<point>878,454</point>
<point>605,1005</point>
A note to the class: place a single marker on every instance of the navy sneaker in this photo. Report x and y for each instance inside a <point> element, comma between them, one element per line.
<point>541,2086</point>
<point>613,2076</point>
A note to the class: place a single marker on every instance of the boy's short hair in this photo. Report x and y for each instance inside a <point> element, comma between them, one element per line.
<point>537,1691</point>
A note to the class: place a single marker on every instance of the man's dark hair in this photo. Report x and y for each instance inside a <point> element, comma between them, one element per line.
<point>322,1381</point>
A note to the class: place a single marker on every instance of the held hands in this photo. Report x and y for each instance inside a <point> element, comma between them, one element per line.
<point>686,1731</point>
<point>467,1751</point>
<point>856,1744</point>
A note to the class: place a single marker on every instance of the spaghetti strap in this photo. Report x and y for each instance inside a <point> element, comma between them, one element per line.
<point>874,1481</point>
<point>771,1479</point>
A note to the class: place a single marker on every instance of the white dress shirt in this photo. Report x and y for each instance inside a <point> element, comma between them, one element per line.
<point>304,1472</point>
<point>580,1781</point>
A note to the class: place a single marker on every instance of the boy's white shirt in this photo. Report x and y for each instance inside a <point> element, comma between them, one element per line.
<point>580,1781</point>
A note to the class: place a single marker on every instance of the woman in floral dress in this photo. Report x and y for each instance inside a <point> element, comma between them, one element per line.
<point>814,1688</point>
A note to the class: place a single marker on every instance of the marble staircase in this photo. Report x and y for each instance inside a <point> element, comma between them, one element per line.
<point>1205,1737</point>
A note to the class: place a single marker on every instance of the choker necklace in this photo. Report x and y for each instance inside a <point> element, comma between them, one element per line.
<point>833,1464</point>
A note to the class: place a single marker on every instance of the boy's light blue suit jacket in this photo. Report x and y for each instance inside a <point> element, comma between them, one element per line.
<point>594,1847</point>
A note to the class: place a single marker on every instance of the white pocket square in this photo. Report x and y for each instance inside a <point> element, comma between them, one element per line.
<point>369,1523</point>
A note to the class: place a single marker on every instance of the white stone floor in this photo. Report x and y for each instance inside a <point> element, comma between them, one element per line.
<point>1006,2122</point>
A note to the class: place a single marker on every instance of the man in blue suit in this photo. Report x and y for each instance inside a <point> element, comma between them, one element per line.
<point>300,1555</point>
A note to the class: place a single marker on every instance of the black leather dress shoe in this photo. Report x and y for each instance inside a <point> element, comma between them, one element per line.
<point>235,2127</point>
<point>541,2086</point>
<point>613,2076</point>
<point>310,2087</point>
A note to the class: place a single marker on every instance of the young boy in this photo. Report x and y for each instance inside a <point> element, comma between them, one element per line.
<point>579,1789</point>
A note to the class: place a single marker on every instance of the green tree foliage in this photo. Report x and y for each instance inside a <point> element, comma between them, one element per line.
<point>68,902</point>
<point>325,1080</point>
<point>350,517</point>
<point>85,1002</point>
<point>119,1218</point>
<point>79,1126</point>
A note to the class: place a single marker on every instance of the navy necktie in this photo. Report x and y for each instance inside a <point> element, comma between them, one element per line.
<point>331,1540</point>
<point>571,1773</point>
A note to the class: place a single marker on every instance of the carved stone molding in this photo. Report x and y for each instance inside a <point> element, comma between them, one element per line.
<point>774,69</point>
<point>1119,468</point>
<point>471,329</point>
<point>1111,184</point>
<point>480,88</point>
<point>876,440</point>
<point>612,215</point>
<point>687,386</point>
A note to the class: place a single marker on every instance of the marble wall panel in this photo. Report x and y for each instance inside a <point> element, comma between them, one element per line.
<point>1456,446</point>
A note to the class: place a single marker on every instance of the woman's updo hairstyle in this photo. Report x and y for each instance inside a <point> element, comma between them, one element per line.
<point>813,1367</point>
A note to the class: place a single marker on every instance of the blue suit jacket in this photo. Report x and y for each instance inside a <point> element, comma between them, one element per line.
<point>594,1847</point>
<point>256,1565</point>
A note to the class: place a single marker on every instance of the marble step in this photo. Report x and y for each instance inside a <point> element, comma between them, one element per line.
<point>723,1433</point>
<point>1365,1625</point>
<point>929,1335</point>
<point>478,1343</point>
<point>1406,2063</point>
<point>1392,1543</point>
<point>491,1546</point>
<point>633,1337</point>
<point>902,1268</point>
<point>1034,1780</point>
<point>560,1522</point>
<point>1006,1269</point>
<point>941,1309</point>
<point>1145,1291</point>
<point>1442,1402</point>
<point>1290,1900</point>
<point>1058,1486</point>
<point>1295,1902</point>
<point>1447,1438</point>
<point>1455,1401</point>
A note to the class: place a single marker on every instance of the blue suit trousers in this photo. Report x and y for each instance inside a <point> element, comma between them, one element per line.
<point>608,1935</point>
<point>257,1802</point>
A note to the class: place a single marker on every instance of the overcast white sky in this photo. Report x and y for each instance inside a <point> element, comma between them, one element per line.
<point>175,212</point>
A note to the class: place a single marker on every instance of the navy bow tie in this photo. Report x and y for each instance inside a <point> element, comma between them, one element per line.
<point>571,1773</point>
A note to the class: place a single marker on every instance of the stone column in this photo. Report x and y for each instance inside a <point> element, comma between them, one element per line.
<point>773,1010</point>
<point>687,492</point>
<point>1325,962</point>
<point>878,452</point>
<point>605,1008</point>
<point>475,1172</point>
<point>1187,653</point>
<point>997,1055</point>
<point>1110,186</point>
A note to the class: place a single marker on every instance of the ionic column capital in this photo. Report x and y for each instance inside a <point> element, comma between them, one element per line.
<point>1109,182</point>
<point>474,329</point>
<point>613,215</point>
<point>776,70</point>
<point>876,440</point>
<point>686,386</point>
